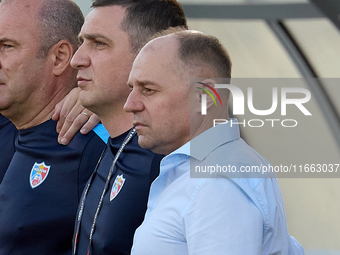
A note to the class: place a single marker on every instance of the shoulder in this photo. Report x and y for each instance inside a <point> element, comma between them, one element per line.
<point>97,137</point>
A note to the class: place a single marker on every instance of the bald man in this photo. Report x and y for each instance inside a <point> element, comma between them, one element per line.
<point>217,215</point>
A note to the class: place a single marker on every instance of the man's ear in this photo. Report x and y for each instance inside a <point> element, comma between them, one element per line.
<point>61,54</point>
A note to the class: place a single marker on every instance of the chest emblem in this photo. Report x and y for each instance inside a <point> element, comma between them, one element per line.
<point>117,186</point>
<point>38,174</point>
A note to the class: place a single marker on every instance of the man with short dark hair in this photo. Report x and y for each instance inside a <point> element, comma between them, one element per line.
<point>114,201</point>
<point>40,191</point>
<point>226,213</point>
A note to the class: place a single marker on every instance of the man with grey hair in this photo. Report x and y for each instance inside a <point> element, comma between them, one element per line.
<point>40,190</point>
<point>226,213</point>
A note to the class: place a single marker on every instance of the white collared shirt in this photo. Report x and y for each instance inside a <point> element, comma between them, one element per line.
<point>239,216</point>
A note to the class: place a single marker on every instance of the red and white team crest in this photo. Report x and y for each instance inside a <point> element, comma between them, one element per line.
<point>117,186</point>
<point>38,174</point>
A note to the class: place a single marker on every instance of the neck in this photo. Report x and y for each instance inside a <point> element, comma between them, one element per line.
<point>117,123</point>
<point>32,121</point>
<point>31,116</point>
<point>205,123</point>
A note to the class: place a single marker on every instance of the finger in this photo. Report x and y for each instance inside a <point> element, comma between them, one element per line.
<point>72,117</point>
<point>90,124</point>
<point>57,109</point>
<point>68,114</point>
<point>67,105</point>
<point>72,129</point>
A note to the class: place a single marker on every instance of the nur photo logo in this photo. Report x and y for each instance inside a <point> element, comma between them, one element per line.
<point>204,97</point>
<point>294,98</point>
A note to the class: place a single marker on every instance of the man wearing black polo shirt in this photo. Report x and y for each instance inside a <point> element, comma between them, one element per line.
<point>79,120</point>
<point>114,200</point>
<point>40,190</point>
<point>7,136</point>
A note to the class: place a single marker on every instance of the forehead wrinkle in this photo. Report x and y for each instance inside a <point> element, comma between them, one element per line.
<point>10,10</point>
<point>26,7</point>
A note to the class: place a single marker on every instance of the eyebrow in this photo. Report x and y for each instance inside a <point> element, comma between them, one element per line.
<point>142,83</point>
<point>7,40</point>
<point>146,82</point>
<point>93,37</point>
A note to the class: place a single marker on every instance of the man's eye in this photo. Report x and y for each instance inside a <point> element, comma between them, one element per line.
<point>100,44</point>
<point>7,46</point>
<point>148,91</point>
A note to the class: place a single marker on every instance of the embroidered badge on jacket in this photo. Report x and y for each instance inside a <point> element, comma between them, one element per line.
<point>38,174</point>
<point>117,186</point>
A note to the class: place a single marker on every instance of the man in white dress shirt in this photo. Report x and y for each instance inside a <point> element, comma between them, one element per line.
<point>239,216</point>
